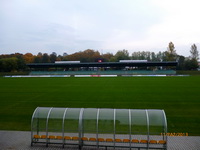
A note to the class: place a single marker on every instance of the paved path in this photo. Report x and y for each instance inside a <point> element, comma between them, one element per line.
<point>17,140</point>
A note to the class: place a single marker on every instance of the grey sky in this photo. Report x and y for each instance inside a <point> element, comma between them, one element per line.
<point>105,25</point>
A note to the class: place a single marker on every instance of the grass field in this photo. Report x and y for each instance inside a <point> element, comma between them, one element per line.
<point>178,96</point>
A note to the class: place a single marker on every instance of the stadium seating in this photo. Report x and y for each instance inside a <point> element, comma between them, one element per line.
<point>108,72</point>
<point>107,140</point>
<point>100,139</point>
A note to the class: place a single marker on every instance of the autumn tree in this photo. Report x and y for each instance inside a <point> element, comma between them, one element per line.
<point>88,55</point>
<point>72,57</point>
<point>107,57</point>
<point>59,58</point>
<point>28,57</point>
<point>91,55</point>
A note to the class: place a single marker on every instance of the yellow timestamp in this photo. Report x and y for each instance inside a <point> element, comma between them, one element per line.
<point>174,134</point>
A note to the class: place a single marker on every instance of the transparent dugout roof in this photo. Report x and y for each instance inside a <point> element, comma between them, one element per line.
<point>99,121</point>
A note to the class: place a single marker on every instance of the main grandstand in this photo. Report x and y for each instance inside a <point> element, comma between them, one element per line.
<point>123,67</point>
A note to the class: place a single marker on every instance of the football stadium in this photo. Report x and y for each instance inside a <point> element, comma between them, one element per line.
<point>137,105</point>
<point>123,67</point>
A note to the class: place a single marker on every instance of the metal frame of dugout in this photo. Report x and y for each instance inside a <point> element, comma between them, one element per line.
<point>100,127</point>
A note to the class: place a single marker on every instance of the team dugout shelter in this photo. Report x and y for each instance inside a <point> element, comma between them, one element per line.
<point>123,67</point>
<point>99,128</point>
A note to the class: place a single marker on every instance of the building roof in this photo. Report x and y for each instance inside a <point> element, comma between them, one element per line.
<point>101,64</point>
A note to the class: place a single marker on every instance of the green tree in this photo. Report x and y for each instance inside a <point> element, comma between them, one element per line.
<point>153,57</point>
<point>53,57</point>
<point>144,55</point>
<point>1,65</point>
<point>45,58</point>
<point>164,56</point>
<point>159,56</point>
<point>171,52</point>
<point>122,55</point>
<point>38,58</point>
<point>191,64</point>
<point>9,64</point>
<point>135,56</point>
<point>194,52</point>
<point>181,62</point>
<point>21,64</point>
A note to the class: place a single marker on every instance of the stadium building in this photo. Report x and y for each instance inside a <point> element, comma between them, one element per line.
<point>123,67</point>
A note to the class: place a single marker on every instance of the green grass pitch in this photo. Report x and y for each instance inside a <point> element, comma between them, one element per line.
<point>178,96</point>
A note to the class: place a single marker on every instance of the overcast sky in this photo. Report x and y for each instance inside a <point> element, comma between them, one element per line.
<point>106,25</point>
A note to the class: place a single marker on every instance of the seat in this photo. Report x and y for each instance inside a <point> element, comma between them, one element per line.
<point>143,141</point>
<point>75,138</point>
<point>92,139</point>
<point>84,138</point>
<point>126,140</point>
<point>43,136</point>
<point>135,141</point>
<point>118,140</point>
<point>153,142</point>
<point>59,137</point>
<point>36,136</point>
<point>109,140</point>
<point>67,138</point>
<point>51,137</point>
<point>162,142</point>
<point>101,140</point>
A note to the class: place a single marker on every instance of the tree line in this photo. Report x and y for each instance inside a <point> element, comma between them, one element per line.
<point>18,61</point>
